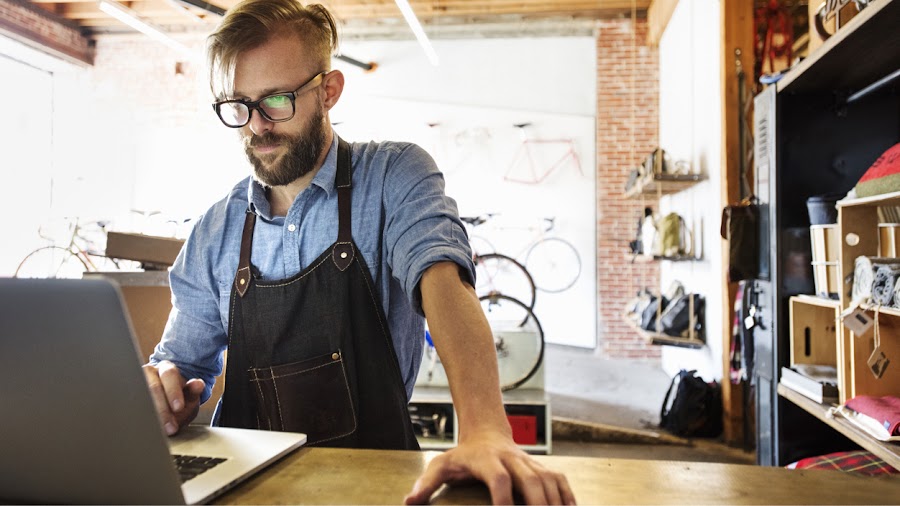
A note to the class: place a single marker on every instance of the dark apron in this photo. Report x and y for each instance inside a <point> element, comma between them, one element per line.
<point>312,353</point>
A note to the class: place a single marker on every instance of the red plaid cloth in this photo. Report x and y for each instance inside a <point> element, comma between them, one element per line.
<point>859,462</point>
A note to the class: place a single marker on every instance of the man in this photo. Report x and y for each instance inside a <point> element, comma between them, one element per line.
<point>315,271</point>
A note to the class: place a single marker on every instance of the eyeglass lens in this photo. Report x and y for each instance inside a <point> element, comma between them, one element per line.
<point>275,108</point>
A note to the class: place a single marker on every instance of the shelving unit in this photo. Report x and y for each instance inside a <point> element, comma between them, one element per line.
<point>662,184</point>
<point>815,135</point>
<point>889,452</point>
<point>522,402</point>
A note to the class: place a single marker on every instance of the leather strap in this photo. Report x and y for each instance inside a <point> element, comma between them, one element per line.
<point>343,251</point>
<point>242,277</point>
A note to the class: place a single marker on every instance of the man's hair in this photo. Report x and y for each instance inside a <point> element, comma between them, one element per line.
<point>251,23</point>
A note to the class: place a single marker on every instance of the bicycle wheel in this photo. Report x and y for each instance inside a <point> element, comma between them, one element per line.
<point>554,264</point>
<point>498,273</point>
<point>518,339</point>
<point>51,262</point>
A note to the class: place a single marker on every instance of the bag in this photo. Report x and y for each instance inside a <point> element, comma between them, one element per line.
<point>676,317</point>
<point>740,227</point>
<point>673,239</point>
<point>696,409</point>
<point>648,316</point>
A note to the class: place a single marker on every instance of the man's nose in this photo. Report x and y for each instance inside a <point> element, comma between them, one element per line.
<point>258,124</point>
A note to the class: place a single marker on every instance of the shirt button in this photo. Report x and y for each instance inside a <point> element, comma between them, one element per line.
<point>292,227</point>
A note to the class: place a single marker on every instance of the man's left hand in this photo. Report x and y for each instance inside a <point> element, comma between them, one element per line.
<point>494,459</point>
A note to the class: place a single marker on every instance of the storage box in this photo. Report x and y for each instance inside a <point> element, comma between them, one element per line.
<point>152,251</point>
<point>524,429</point>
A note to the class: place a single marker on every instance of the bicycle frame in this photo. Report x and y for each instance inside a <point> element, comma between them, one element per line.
<point>525,149</point>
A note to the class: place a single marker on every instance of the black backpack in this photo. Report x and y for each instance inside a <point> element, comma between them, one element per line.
<point>696,409</point>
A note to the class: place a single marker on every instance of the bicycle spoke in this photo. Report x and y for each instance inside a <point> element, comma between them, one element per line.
<point>518,339</point>
<point>554,264</point>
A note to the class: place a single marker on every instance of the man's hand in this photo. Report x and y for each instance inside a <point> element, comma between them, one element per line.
<point>494,459</point>
<point>177,401</point>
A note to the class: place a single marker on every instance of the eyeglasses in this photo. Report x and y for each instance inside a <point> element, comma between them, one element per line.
<point>277,107</point>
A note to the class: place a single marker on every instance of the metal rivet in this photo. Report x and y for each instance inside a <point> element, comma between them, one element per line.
<point>241,281</point>
<point>334,356</point>
<point>344,255</point>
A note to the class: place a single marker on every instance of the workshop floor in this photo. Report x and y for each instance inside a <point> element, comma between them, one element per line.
<point>618,401</point>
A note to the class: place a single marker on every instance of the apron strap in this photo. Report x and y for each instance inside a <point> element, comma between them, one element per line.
<point>343,251</point>
<point>242,278</point>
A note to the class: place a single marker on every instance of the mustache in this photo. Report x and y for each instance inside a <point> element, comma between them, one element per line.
<point>266,139</point>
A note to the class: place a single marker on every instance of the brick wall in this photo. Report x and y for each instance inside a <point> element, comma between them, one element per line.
<point>44,30</point>
<point>627,130</point>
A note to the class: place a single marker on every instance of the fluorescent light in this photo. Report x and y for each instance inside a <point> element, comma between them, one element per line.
<point>131,18</point>
<point>417,30</point>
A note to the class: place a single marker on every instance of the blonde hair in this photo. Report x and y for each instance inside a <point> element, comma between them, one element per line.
<point>251,23</point>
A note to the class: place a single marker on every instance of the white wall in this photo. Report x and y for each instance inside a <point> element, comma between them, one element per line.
<point>479,90</point>
<point>690,129</point>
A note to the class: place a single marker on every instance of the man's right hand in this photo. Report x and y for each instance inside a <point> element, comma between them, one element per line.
<point>177,400</point>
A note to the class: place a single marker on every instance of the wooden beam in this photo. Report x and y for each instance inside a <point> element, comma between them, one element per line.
<point>658,15</point>
<point>737,33</point>
<point>28,24</point>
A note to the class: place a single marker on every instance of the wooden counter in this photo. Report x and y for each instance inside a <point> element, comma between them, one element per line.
<point>335,476</point>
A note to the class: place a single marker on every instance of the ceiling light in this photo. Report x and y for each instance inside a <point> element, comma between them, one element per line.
<point>131,18</point>
<point>417,30</point>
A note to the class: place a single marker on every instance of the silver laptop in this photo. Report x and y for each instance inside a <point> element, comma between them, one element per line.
<point>77,423</point>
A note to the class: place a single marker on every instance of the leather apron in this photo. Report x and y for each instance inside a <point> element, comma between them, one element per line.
<point>313,353</point>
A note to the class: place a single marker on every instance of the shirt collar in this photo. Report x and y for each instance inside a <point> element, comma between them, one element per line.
<point>256,193</point>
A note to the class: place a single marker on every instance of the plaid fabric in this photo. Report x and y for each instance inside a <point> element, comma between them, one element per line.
<point>859,462</point>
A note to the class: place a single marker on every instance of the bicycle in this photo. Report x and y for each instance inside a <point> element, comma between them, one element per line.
<point>518,340</point>
<point>526,151</point>
<point>496,272</point>
<point>552,264</point>
<point>79,255</point>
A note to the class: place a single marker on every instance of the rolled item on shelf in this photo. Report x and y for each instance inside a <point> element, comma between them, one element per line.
<point>883,284</point>
<point>864,276</point>
<point>896,303</point>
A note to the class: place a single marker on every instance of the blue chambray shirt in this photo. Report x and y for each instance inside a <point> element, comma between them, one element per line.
<point>402,223</point>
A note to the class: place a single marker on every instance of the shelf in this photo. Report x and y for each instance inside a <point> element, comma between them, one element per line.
<point>665,339</point>
<point>641,259</point>
<point>662,184</point>
<point>890,453</point>
<point>815,300</point>
<point>887,199</point>
<point>869,41</point>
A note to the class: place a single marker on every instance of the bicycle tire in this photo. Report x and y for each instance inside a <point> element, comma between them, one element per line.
<point>563,261</point>
<point>524,357</point>
<point>51,262</point>
<point>499,273</point>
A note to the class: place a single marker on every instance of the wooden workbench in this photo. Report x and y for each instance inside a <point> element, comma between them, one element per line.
<point>337,476</point>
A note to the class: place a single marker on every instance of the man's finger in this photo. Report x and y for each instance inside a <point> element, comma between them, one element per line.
<point>551,482</point>
<point>173,384</point>
<point>528,482</point>
<point>158,394</point>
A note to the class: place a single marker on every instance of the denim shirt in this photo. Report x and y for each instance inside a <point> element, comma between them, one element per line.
<point>402,223</point>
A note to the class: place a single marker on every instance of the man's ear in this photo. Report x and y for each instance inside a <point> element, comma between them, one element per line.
<point>333,86</point>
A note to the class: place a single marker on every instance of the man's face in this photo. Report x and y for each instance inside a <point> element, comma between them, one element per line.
<point>280,152</point>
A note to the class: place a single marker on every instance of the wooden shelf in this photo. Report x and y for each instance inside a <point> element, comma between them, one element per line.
<point>665,339</point>
<point>889,452</point>
<point>854,57</point>
<point>641,259</point>
<point>662,184</point>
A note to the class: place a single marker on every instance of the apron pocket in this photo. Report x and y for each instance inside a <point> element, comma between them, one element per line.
<point>311,396</point>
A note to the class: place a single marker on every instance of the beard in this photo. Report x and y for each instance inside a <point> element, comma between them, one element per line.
<point>301,157</point>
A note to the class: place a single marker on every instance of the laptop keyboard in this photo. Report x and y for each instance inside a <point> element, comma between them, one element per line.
<point>189,466</point>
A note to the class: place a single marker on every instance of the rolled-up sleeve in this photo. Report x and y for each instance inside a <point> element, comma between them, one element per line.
<point>422,225</point>
<point>194,337</point>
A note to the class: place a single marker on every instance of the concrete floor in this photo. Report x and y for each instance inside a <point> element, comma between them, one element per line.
<point>610,408</point>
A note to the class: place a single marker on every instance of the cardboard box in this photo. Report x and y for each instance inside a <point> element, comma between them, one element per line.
<point>149,250</point>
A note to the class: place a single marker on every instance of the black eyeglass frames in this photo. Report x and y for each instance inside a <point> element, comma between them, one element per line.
<point>276,107</point>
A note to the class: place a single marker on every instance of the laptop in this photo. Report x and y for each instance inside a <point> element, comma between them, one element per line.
<point>77,421</point>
